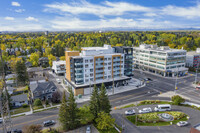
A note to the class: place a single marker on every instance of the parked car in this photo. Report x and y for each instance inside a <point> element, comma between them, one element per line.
<point>88,129</point>
<point>59,81</point>
<point>130,112</point>
<point>163,107</point>
<point>15,131</point>
<point>145,110</point>
<point>48,123</point>
<point>1,120</point>
<point>182,123</point>
<point>148,79</point>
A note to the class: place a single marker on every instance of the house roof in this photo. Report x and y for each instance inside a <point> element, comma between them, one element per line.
<point>34,69</point>
<point>41,86</point>
<point>22,97</point>
<point>43,58</point>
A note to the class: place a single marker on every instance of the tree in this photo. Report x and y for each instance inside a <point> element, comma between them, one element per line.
<point>103,100</point>
<point>56,97</point>
<point>104,121</point>
<point>63,114</point>
<point>37,102</point>
<point>51,59</point>
<point>94,102</point>
<point>62,58</point>
<point>177,100</point>
<point>34,59</point>
<point>85,115</point>
<point>22,74</point>
<point>32,129</point>
<point>73,118</point>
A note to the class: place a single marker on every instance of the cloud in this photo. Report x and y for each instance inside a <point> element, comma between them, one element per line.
<point>106,8</point>
<point>20,10</point>
<point>15,3</point>
<point>31,19</point>
<point>184,12</point>
<point>150,14</point>
<point>22,27</point>
<point>9,18</point>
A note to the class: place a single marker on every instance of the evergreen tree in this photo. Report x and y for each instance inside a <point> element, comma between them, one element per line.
<point>21,71</point>
<point>103,100</point>
<point>73,111</point>
<point>94,102</point>
<point>63,114</point>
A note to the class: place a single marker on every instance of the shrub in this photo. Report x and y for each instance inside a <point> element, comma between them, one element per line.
<point>177,100</point>
<point>46,102</point>
<point>37,102</point>
<point>25,105</point>
<point>32,129</point>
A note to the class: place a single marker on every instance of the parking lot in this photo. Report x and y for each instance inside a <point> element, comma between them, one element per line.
<point>194,119</point>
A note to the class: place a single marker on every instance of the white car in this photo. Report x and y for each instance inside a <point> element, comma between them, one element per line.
<point>182,123</point>
<point>145,110</point>
<point>130,112</point>
<point>59,81</point>
<point>88,129</point>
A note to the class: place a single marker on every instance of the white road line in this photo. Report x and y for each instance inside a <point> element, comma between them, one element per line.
<point>139,96</point>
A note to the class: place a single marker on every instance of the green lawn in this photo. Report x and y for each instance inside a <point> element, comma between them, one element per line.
<point>149,102</point>
<point>160,123</point>
<point>20,110</point>
<point>127,106</point>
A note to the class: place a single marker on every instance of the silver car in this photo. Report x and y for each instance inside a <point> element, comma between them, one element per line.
<point>145,110</point>
<point>88,129</point>
<point>130,112</point>
<point>182,123</point>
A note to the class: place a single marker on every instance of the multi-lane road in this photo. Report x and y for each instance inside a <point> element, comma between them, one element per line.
<point>150,91</point>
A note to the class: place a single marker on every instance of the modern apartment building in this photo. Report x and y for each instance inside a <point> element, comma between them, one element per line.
<point>193,59</point>
<point>128,59</point>
<point>59,67</point>
<point>94,65</point>
<point>160,60</point>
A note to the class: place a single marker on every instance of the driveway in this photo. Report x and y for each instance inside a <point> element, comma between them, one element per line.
<point>130,127</point>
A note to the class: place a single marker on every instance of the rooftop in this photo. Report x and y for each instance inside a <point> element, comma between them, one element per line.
<point>192,53</point>
<point>22,97</point>
<point>59,62</point>
<point>197,127</point>
<point>34,69</point>
<point>40,86</point>
<point>156,48</point>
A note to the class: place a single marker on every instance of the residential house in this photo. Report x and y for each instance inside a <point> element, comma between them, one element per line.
<point>44,61</point>
<point>43,90</point>
<point>28,64</point>
<point>36,73</point>
<point>59,67</point>
<point>19,100</point>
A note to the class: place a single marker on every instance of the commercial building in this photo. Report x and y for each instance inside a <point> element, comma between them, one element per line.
<point>160,60</point>
<point>128,59</point>
<point>94,66</point>
<point>193,59</point>
<point>59,67</point>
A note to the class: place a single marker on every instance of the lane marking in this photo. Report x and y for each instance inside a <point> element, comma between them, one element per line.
<point>32,121</point>
<point>158,127</point>
<point>139,96</point>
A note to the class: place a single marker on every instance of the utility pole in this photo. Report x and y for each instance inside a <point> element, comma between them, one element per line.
<point>4,103</point>
<point>196,74</point>
<point>176,81</point>
<point>113,85</point>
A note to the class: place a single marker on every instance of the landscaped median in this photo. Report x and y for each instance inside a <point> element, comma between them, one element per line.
<point>153,119</point>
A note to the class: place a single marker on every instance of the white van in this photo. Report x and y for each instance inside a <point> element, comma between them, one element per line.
<point>163,107</point>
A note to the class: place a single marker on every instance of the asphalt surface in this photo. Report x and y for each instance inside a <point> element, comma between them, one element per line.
<point>149,92</point>
<point>131,128</point>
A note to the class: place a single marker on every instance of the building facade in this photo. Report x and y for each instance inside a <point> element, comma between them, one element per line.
<point>193,59</point>
<point>128,59</point>
<point>160,60</point>
<point>59,67</point>
<point>94,66</point>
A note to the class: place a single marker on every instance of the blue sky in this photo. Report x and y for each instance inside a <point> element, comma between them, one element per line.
<point>67,15</point>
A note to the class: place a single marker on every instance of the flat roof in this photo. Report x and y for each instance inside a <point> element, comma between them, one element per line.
<point>80,56</point>
<point>192,53</point>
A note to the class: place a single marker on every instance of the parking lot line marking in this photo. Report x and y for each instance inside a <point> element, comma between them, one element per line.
<point>158,128</point>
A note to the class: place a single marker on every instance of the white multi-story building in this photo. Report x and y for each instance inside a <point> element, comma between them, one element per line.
<point>59,67</point>
<point>160,60</point>
<point>94,65</point>
<point>193,59</point>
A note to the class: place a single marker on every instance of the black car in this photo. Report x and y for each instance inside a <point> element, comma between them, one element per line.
<point>48,123</point>
<point>15,131</point>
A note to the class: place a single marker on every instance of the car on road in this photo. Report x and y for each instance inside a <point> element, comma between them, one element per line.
<point>145,110</point>
<point>182,123</point>
<point>59,81</point>
<point>148,79</point>
<point>48,123</point>
<point>15,131</point>
<point>88,129</point>
<point>130,112</point>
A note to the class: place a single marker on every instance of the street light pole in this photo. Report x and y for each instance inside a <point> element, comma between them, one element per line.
<point>176,81</point>
<point>113,85</point>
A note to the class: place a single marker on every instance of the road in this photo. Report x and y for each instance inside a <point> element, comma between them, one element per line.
<point>155,87</point>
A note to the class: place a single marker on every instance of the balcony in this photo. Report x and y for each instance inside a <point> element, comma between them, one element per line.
<point>79,68</point>
<point>78,64</point>
<point>99,71</point>
<point>79,74</point>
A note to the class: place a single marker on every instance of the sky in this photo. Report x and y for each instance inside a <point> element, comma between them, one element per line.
<point>86,15</point>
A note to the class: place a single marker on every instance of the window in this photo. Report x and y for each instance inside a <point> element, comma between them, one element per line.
<point>86,61</point>
<point>86,66</point>
<point>91,70</point>
<point>91,74</point>
<point>91,60</point>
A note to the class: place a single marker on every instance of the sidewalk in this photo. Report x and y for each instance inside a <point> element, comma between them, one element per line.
<point>131,86</point>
